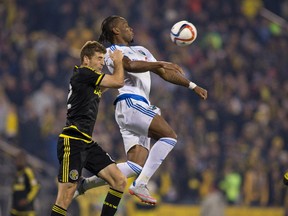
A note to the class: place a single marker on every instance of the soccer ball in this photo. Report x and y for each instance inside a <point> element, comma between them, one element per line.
<point>183,33</point>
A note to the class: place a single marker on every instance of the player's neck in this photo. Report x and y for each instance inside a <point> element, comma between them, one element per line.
<point>121,42</point>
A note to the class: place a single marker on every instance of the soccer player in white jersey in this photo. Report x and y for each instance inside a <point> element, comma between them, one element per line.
<point>138,120</point>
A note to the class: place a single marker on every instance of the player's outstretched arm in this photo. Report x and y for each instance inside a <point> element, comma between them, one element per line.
<point>169,74</point>
<point>168,71</point>
<point>116,80</point>
<point>143,66</point>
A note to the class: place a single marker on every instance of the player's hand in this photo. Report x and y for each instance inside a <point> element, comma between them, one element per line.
<point>202,93</point>
<point>117,55</point>
<point>171,66</point>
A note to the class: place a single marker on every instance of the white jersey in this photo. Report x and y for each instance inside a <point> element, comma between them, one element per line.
<point>135,83</point>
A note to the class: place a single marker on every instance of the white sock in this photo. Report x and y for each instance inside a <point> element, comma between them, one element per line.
<point>129,169</point>
<point>157,154</point>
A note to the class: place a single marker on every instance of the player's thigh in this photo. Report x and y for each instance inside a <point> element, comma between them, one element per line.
<point>131,139</point>
<point>135,116</point>
<point>97,159</point>
<point>71,159</point>
<point>159,128</point>
<point>136,147</point>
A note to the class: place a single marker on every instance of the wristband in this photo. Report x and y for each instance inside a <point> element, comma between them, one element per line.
<point>192,85</point>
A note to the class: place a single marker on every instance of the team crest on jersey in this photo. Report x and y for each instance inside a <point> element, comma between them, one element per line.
<point>143,53</point>
<point>74,175</point>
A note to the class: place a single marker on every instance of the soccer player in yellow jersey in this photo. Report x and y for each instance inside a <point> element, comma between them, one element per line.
<point>25,188</point>
<point>76,149</point>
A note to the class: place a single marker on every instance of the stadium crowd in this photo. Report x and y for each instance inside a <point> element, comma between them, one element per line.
<point>236,139</point>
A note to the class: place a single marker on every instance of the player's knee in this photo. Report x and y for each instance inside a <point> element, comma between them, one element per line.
<point>172,134</point>
<point>138,154</point>
<point>168,133</point>
<point>139,161</point>
<point>170,141</point>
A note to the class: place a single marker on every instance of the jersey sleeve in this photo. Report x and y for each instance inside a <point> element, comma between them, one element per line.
<point>34,186</point>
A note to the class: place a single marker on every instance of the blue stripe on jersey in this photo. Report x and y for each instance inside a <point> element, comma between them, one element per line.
<point>134,167</point>
<point>144,110</point>
<point>140,108</point>
<point>169,141</point>
<point>120,45</point>
<point>129,102</point>
<point>113,47</point>
<point>133,96</point>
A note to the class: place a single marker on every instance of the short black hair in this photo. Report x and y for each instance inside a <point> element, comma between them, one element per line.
<point>107,29</point>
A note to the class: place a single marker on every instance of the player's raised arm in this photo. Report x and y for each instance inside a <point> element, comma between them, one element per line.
<point>170,72</point>
<point>144,66</point>
<point>140,66</point>
<point>116,80</point>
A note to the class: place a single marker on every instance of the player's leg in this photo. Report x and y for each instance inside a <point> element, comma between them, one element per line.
<point>117,182</point>
<point>64,198</point>
<point>129,169</point>
<point>69,156</point>
<point>135,136</point>
<point>136,154</point>
<point>100,163</point>
<point>166,138</point>
<point>160,130</point>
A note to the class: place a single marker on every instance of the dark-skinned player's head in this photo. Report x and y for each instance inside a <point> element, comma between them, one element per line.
<point>115,29</point>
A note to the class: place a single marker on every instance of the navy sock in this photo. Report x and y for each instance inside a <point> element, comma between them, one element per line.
<point>57,210</point>
<point>111,202</point>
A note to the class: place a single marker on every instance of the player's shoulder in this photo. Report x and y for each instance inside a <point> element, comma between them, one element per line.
<point>113,47</point>
<point>140,49</point>
<point>86,70</point>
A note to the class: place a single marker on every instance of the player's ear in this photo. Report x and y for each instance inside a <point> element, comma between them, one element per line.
<point>86,59</point>
<point>116,30</point>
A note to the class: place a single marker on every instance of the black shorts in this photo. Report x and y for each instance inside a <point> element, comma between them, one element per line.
<point>74,155</point>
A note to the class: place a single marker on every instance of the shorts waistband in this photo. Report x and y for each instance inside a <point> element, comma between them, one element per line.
<point>133,96</point>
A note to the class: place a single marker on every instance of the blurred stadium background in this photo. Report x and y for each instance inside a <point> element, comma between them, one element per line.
<point>234,144</point>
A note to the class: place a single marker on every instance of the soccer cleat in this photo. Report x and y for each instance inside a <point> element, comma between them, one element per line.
<point>141,191</point>
<point>80,189</point>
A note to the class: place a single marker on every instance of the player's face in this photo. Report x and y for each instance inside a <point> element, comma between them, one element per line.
<point>126,31</point>
<point>96,61</point>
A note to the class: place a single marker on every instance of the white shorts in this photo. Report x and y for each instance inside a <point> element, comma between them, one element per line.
<point>134,118</point>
